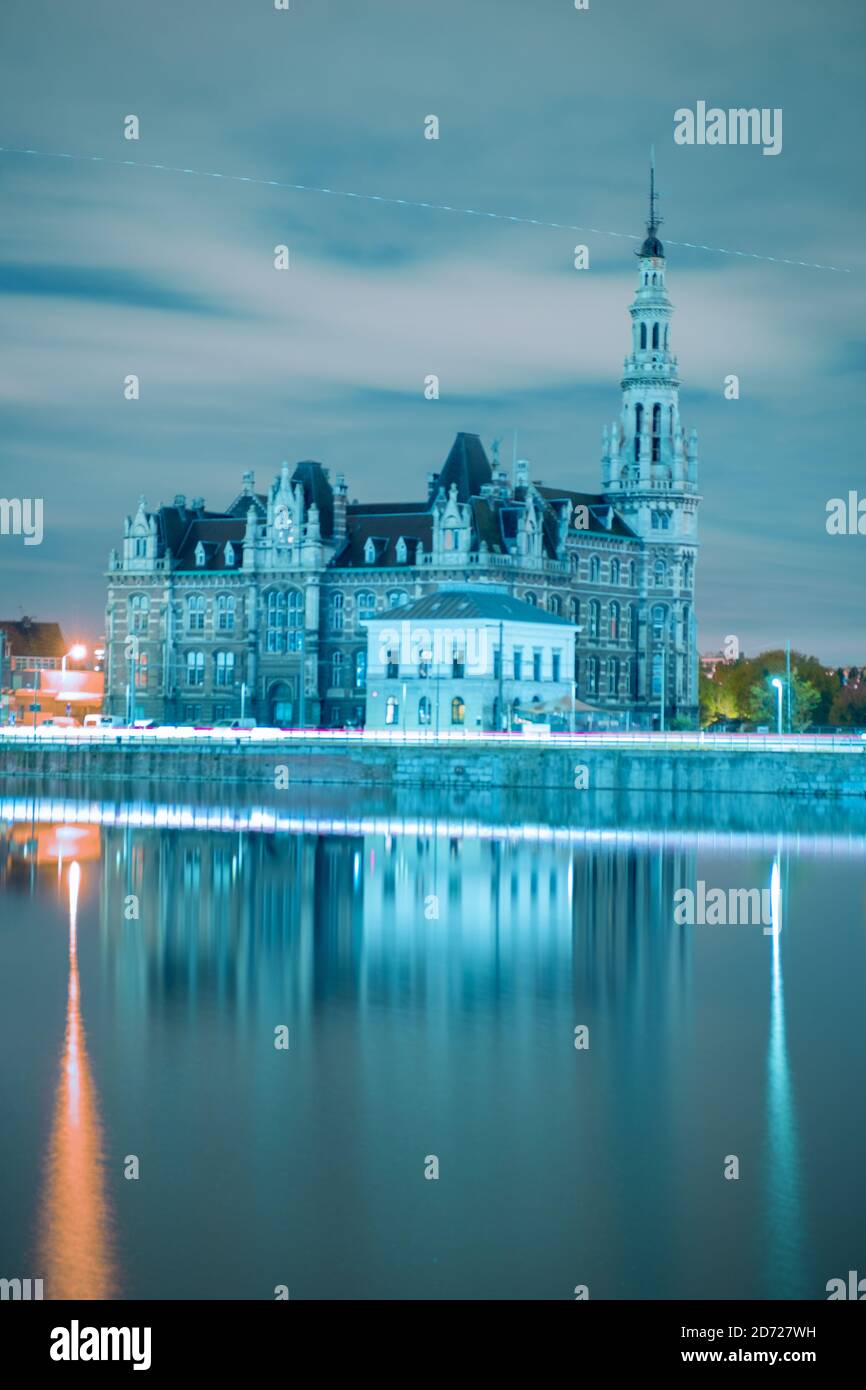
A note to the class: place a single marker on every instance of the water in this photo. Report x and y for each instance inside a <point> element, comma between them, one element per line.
<point>431,966</point>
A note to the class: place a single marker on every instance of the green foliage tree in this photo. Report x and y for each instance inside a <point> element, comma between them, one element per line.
<point>849,707</point>
<point>763,702</point>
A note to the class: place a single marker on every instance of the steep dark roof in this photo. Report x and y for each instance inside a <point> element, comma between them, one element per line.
<point>213,532</point>
<point>385,530</point>
<point>596,505</point>
<point>477,601</point>
<point>244,501</point>
<point>313,477</point>
<point>467,466</point>
<point>26,637</point>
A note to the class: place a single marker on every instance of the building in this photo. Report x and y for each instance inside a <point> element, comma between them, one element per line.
<point>263,608</point>
<point>467,658</point>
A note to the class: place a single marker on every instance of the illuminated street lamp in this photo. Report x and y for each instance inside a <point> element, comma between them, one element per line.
<point>779,687</point>
<point>76,653</point>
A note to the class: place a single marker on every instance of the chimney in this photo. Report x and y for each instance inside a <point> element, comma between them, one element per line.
<point>340,491</point>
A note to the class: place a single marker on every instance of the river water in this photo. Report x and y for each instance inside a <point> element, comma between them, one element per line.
<point>240,1033</point>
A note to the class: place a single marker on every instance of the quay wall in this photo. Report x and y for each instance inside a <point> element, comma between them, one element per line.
<point>832,773</point>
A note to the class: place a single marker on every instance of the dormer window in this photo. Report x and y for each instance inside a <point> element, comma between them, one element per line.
<point>199,555</point>
<point>402,552</point>
<point>229,555</point>
<point>369,551</point>
<point>140,547</point>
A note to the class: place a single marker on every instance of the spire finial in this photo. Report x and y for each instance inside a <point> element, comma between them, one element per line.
<point>652,247</point>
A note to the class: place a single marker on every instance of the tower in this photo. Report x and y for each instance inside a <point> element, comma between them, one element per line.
<point>650,475</point>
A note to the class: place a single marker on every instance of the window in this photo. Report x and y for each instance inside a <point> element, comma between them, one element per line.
<point>276,621</point>
<point>643,335</point>
<point>594,619</point>
<point>397,598</point>
<point>140,544</point>
<point>360,670</point>
<point>614,571</point>
<point>402,552</point>
<point>554,604</point>
<point>658,622</point>
<point>594,570</point>
<point>141,671</point>
<point>536,665</point>
<point>139,613</point>
<point>530,598</point>
<point>632,622</point>
<point>392,667</point>
<point>392,710</point>
<point>225,613</point>
<point>557,666</point>
<point>632,573</point>
<point>369,551</point>
<point>200,556</point>
<point>191,713</point>
<point>366,606</point>
<point>195,668</point>
<point>658,673</point>
<point>657,433</point>
<point>337,670</point>
<point>613,677</point>
<point>518,664</point>
<point>295,619</point>
<point>458,710</point>
<point>424,711</point>
<point>660,573</point>
<point>655,335</point>
<point>337,612</point>
<point>195,613</point>
<point>638,426</point>
<point>575,610</point>
<point>592,676</point>
<point>458,663</point>
<point>225,668</point>
<point>229,555</point>
<point>614,620</point>
<point>497,663</point>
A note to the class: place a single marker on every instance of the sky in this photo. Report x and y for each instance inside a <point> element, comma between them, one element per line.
<point>545,112</point>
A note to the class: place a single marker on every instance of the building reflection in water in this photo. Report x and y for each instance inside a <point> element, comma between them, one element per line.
<point>75,1240</point>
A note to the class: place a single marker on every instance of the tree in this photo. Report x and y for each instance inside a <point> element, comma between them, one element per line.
<point>764,702</point>
<point>717,701</point>
<point>849,707</point>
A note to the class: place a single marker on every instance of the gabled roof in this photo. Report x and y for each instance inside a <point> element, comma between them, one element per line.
<point>385,530</point>
<point>26,637</point>
<point>475,601</point>
<point>212,532</point>
<point>596,504</point>
<point>244,500</point>
<point>467,465</point>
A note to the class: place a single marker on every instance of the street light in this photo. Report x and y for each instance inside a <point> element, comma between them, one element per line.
<point>76,653</point>
<point>779,687</point>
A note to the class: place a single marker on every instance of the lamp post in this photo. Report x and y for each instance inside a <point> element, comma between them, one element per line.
<point>76,653</point>
<point>779,687</point>
<point>243,697</point>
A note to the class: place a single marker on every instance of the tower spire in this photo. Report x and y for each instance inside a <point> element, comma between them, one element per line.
<point>652,246</point>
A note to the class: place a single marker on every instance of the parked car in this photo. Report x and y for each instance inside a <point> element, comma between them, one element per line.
<point>60,721</point>
<point>235,724</point>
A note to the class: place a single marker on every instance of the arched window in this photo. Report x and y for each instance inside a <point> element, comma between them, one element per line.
<point>638,426</point>
<point>592,676</point>
<point>660,574</point>
<point>337,670</point>
<point>224,668</point>
<point>594,619</point>
<point>275,633</point>
<point>338,609</point>
<point>424,711</point>
<point>398,598</point>
<point>594,570</point>
<point>575,610</point>
<point>360,669</point>
<point>613,677</point>
<point>554,604</point>
<point>614,571</point>
<point>654,277</point>
<point>458,710</point>
<point>632,622</point>
<point>530,598</point>
<point>657,432</point>
<point>195,668</point>
<point>614,620</point>
<point>295,618</point>
<point>195,613</point>
<point>655,335</point>
<point>225,613</point>
<point>366,606</point>
<point>667,336</point>
<point>139,613</point>
<point>643,335</point>
<point>392,710</point>
<point>658,622</point>
<point>632,573</point>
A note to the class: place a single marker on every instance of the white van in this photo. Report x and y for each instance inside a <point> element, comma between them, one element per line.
<point>102,721</point>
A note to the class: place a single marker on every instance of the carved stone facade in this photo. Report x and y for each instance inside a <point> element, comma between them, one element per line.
<point>262,608</point>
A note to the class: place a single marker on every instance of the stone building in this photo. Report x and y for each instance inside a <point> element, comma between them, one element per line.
<point>468,658</point>
<point>262,607</point>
